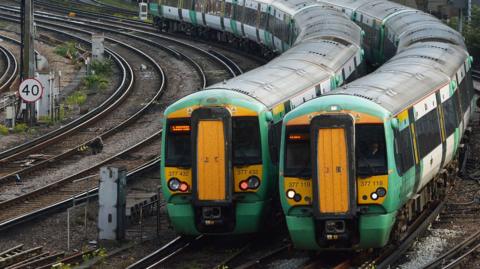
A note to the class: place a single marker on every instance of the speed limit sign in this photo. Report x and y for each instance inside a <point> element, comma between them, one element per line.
<point>30,90</point>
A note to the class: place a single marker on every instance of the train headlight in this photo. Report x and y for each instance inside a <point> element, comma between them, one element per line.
<point>374,196</point>
<point>253,182</point>
<point>174,184</point>
<point>381,192</point>
<point>290,194</point>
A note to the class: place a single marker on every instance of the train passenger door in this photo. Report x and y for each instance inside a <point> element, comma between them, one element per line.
<point>212,164</point>
<point>333,169</point>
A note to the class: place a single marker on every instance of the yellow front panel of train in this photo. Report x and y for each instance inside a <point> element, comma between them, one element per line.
<point>332,171</point>
<point>211,160</point>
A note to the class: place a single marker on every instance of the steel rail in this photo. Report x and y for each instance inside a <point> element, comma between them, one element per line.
<point>453,251</point>
<point>122,10</point>
<point>12,176</point>
<point>159,256</point>
<point>79,198</point>
<point>105,8</point>
<point>113,101</point>
<point>389,258</point>
<point>79,10</point>
<point>224,61</point>
<point>233,65</point>
<point>171,51</point>
<point>55,188</point>
<point>227,63</point>
<point>10,71</point>
<point>14,74</point>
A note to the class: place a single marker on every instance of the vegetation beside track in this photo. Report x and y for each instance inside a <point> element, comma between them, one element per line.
<point>67,50</point>
<point>471,32</point>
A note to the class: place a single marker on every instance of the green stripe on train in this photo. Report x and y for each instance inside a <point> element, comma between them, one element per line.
<point>233,25</point>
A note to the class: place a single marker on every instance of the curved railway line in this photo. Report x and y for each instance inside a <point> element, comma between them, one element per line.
<point>135,26</point>
<point>44,195</point>
<point>9,73</point>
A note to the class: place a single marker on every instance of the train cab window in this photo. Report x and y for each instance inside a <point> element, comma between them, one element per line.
<point>178,143</point>
<point>370,150</point>
<point>246,141</point>
<point>297,152</point>
<point>428,133</point>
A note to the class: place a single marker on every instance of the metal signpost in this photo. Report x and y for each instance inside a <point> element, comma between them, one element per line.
<point>27,69</point>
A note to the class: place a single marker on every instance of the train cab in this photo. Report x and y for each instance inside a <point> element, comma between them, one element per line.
<point>215,168</point>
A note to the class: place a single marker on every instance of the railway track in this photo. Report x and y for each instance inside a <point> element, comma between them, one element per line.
<point>11,220</point>
<point>457,254</point>
<point>119,95</point>
<point>14,175</point>
<point>19,258</point>
<point>176,47</point>
<point>157,258</point>
<point>26,207</point>
<point>476,74</point>
<point>143,28</point>
<point>11,69</point>
<point>10,176</point>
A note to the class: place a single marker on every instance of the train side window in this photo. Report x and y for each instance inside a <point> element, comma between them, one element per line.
<point>199,4</point>
<point>370,150</point>
<point>228,10</point>
<point>186,4</point>
<point>297,152</point>
<point>236,12</point>
<point>450,113</point>
<point>464,96</point>
<point>250,16</point>
<point>263,20</point>
<point>428,133</point>
<point>178,143</point>
<point>246,141</point>
<point>403,150</point>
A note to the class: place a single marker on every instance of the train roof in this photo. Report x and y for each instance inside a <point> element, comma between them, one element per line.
<point>308,63</point>
<point>408,77</point>
<point>300,67</point>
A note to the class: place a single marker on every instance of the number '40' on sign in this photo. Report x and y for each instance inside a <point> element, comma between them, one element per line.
<point>30,90</point>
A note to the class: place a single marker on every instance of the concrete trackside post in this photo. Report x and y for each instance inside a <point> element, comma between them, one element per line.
<point>112,202</point>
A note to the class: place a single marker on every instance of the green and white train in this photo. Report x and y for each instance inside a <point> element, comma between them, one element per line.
<point>359,164</point>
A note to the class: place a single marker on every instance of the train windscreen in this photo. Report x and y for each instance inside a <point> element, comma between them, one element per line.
<point>297,152</point>
<point>246,141</point>
<point>371,157</point>
<point>178,143</point>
